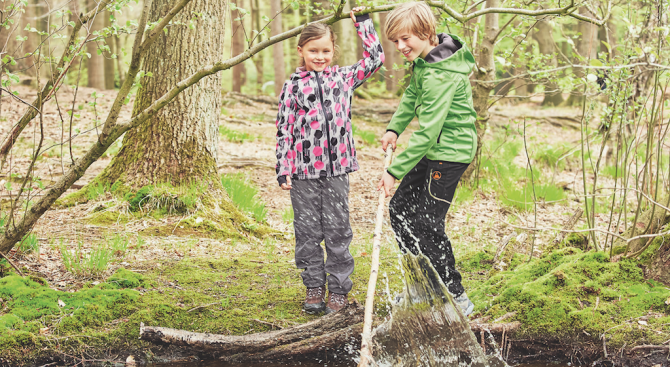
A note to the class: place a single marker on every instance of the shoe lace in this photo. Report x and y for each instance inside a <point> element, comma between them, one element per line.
<point>339,299</point>
<point>314,292</point>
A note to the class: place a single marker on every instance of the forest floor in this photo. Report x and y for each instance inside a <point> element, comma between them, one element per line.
<point>165,272</point>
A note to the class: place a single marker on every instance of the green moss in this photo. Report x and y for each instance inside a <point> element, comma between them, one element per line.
<point>556,296</point>
<point>235,292</point>
<point>109,217</point>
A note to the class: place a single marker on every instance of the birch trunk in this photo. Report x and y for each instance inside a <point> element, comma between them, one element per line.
<point>277,48</point>
<point>547,46</point>
<point>178,144</point>
<point>485,76</point>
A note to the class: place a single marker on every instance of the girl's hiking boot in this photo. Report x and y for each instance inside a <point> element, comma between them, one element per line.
<point>314,300</point>
<point>336,302</point>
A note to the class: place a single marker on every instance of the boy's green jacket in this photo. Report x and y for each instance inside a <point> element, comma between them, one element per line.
<point>439,94</point>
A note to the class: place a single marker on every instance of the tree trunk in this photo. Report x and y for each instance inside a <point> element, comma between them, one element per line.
<point>587,46</point>
<point>179,143</point>
<point>545,42</point>
<point>238,46</point>
<point>258,58</point>
<point>96,63</point>
<point>109,61</point>
<point>391,55</point>
<point>277,48</point>
<point>485,75</point>
<point>346,40</point>
<point>607,33</point>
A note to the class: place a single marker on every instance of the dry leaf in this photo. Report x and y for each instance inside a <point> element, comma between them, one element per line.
<point>130,360</point>
<point>61,303</point>
<point>641,322</point>
<point>44,331</point>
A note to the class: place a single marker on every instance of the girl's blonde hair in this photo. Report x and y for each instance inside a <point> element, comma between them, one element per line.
<point>315,31</point>
<point>414,17</point>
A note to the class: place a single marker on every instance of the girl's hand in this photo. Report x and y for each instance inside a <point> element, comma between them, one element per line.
<point>287,185</point>
<point>355,10</point>
<point>387,182</point>
<point>389,138</point>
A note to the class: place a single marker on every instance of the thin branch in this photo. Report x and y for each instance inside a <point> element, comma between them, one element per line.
<point>11,263</point>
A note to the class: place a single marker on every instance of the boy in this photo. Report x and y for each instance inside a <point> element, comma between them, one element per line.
<point>439,94</point>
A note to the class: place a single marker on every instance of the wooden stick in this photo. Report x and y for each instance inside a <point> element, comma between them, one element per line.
<point>12,264</point>
<point>366,351</point>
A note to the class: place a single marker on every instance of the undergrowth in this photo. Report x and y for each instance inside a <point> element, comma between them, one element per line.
<point>244,195</point>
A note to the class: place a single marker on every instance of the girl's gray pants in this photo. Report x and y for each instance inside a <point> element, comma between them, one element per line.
<point>321,213</point>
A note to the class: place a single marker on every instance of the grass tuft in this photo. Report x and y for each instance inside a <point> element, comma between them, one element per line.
<point>244,195</point>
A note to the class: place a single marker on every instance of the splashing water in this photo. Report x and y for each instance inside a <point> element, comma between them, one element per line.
<point>426,327</point>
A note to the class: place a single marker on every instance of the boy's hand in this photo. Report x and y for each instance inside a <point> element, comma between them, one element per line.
<point>387,182</point>
<point>389,138</point>
<point>287,185</point>
<point>355,10</point>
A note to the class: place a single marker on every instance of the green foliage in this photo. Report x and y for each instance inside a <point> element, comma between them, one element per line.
<point>95,189</point>
<point>244,195</point>
<point>29,243</point>
<point>82,263</point>
<point>288,215</point>
<point>367,137</point>
<point>166,198</point>
<point>236,136</point>
<point>515,185</point>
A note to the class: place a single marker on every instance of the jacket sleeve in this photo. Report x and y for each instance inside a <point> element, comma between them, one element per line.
<point>285,124</point>
<point>405,112</point>
<point>437,96</point>
<point>373,54</point>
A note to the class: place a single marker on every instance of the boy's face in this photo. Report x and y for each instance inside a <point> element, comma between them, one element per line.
<point>411,46</point>
<point>317,53</point>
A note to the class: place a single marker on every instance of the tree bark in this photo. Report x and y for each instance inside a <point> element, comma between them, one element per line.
<point>545,42</point>
<point>258,58</point>
<point>346,40</point>
<point>224,345</point>
<point>485,76</point>
<point>238,46</point>
<point>109,61</point>
<point>96,63</point>
<point>391,55</point>
<point>277,48</point>
<point>587,46</point>
<point>179,143</point>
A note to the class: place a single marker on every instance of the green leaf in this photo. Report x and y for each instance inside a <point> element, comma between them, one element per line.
<point>596,62</point>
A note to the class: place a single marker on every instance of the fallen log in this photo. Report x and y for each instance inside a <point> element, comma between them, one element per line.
<point>329,333</point>
<point>218,345</point>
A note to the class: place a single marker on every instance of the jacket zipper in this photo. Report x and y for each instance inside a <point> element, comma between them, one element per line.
<point>318,82</point>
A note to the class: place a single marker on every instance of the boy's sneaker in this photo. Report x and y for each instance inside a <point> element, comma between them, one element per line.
<point>465,304</point>
<point>314,302</point>
<point>336,302</point>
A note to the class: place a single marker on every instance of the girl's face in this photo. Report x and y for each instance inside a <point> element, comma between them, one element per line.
<point>317,53</point>
<point>411,46</point>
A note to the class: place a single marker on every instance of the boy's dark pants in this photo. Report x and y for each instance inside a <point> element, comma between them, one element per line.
<point>321,212</point>
<point>418,209</point>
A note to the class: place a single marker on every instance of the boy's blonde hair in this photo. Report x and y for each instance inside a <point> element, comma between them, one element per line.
<point>414,17</point>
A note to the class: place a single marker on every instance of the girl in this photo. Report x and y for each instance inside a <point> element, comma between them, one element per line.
<point>315,154</point>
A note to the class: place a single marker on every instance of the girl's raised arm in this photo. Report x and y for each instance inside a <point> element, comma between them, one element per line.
<point>373,54</point>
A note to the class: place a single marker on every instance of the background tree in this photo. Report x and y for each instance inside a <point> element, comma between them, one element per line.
<point>238,46</point>
<point>179,143</point>
<point>96,63</point>
<point>277,48</point>
<point>542,33</point>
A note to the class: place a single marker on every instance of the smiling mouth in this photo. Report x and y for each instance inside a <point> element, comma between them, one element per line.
<point>406,53</point>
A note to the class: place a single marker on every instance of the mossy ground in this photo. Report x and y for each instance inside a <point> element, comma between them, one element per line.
<point>569,294</point>
<point>237,293</point>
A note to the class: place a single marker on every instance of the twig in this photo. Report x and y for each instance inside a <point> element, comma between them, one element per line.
<point>267,323</point>
<point>203,306</point>
<point>12,264</point>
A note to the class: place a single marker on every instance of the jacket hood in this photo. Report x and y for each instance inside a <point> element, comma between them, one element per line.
<point>451,54</point>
